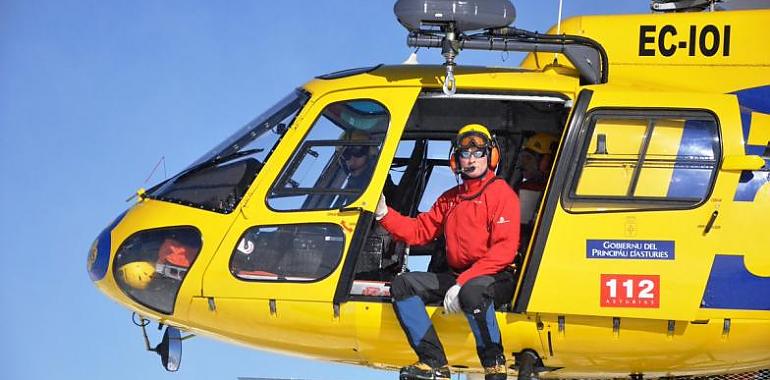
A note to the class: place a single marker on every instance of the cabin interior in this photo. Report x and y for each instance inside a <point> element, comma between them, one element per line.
<point>420,172</point>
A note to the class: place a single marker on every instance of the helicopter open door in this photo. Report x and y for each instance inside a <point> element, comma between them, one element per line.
<point>282,260</point>
<point>630,214</point>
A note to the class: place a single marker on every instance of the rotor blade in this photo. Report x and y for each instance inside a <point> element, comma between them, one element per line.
<point>270,378</point>
<point>744,4</point>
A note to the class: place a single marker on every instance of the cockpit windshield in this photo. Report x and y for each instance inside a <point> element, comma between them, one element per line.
<point>218,180</point>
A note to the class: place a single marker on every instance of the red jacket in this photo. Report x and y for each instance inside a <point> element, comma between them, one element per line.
<point>480,220</point>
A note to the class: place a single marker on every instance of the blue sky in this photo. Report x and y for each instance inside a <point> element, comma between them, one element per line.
<point>94,93</point>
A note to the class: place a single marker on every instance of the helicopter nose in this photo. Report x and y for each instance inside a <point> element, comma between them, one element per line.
<point>99,254</point>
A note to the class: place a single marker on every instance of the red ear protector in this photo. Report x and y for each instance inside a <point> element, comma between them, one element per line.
<point>478,140</point>
<point>494,155</point>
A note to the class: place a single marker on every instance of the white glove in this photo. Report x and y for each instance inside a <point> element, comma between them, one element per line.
<point>382,208</point>
<point>451,300</point>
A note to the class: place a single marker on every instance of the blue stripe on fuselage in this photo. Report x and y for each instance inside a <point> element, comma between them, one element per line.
<point>756,99</point>
<point>732,286</point>
<point>98,268</point>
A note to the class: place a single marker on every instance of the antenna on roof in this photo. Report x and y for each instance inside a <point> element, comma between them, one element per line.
<point>412,59</point>
<point>558,25</point>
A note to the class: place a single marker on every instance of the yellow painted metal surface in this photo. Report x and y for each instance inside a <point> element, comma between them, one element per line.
<point>301,328</point>
<point>469,78</point>
<point>702,51</point>
<point>654,347</point>
<point>741,163</point>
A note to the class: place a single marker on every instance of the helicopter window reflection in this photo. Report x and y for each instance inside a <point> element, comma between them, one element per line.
<point>288,253</point>
<point>648,159</point>
<point>219,180</point>
<point>335,162</point>
<point>262,133</point>
<point>150,265</point>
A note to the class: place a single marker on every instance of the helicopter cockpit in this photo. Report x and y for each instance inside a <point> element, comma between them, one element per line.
<point>330,170</point>
<point>151,265</point>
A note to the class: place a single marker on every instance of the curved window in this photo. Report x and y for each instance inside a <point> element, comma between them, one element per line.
<point>218,180</point>
<point>646,160</point>
<point>300,253</point>
<point>336,160</point>
<point>150,265</point>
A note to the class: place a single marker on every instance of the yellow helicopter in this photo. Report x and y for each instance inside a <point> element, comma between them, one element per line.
<point>642,247</point>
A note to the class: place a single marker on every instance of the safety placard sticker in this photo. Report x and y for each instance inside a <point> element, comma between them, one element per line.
<point>630,290</point>
<point>630,249</point>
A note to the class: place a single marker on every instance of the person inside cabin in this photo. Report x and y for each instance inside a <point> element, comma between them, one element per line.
<point>535,161</point>
<point>358,162</point>
<point>533,167</point>
<point>480,222</point>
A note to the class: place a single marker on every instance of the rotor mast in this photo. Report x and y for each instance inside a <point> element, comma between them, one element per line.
<point>447,24</point>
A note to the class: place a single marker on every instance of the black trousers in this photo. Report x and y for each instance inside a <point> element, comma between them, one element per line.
<point>478,298</point>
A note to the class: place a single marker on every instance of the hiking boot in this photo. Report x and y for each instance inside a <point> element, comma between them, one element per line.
<point>422,371</point>
<point>497,371</point>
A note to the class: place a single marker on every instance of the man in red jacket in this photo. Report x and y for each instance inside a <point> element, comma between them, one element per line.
<point>480,222</point>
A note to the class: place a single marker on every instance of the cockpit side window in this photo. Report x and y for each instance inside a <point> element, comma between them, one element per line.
<point>335,162</point>
<point>645,160</point>
<point>293,253</point>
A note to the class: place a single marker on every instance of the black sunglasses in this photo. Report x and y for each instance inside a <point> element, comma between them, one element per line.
<point>354,151</point>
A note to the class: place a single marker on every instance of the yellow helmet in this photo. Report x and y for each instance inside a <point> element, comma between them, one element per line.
<point>356,135</point>
<point>137,274</point>
<point>475,135</point>
<point>542,143</point>
<point>471,130</point>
